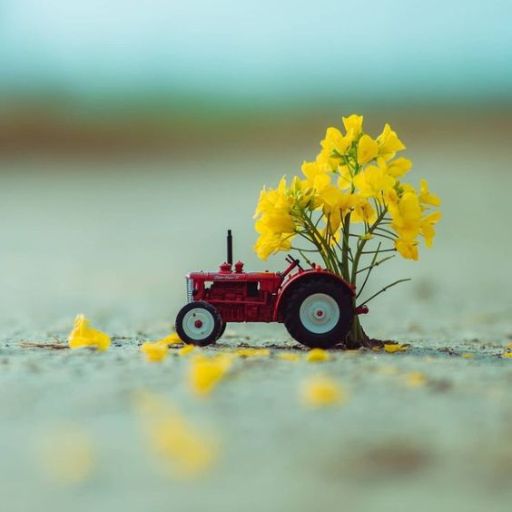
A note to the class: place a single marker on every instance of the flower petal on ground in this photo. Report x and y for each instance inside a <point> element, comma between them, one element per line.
<point>317,355</point>
<point>320,391</point>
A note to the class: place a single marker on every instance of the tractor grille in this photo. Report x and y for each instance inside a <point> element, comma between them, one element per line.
<point>190,289</point>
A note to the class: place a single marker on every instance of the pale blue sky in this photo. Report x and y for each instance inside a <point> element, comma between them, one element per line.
<point>394,48</point>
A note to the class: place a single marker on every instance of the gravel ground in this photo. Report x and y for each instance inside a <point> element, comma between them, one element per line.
<point>114,239</point>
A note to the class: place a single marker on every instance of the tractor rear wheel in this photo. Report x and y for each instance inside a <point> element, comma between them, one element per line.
<point>319,313</point>
<point>199,323</point>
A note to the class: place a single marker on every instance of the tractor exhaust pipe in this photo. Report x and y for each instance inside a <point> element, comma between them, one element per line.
<point>230,247</point>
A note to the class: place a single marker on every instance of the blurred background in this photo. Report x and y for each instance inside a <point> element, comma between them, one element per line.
<point>133,134</point>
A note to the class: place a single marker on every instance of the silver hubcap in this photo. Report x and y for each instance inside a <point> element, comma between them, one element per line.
<point>198,323</point>
<point>319,313</point>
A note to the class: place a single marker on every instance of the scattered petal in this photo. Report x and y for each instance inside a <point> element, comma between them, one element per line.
<point>206,372</point>
<point>415,379</point>
<point>187,349</point>
<point>252,352</point>
<point>83,335</point>
<point>184,450</point>
<point>395,347</point>
<point>288,356</point>
<point>171,339</point>
<point>155,352</point>
<point>468,355</point>
<point>507,355</point>
<point>67,454</point>
<point>321,391</point>
<point>317,355</point>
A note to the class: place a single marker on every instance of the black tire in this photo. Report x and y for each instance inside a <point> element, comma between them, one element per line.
<point>222,329</point>
<point>339,313</point>
<point>206,333</point>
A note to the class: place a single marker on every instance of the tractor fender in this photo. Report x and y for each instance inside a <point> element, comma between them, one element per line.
<point>300,278</point>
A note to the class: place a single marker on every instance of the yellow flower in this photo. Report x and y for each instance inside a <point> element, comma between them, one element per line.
<point>83,335</point>
<point>335,205</point>
<point>426,197</point>
<point>408,249</point>
<point>395,347</point>
<point>354,124</point>
<point>268,244</point>
<point>345,177</point>
<point>468,355</point>
<point>322,391</point>
<point>316,179</point>
<point>317,355</point>
<point>427,227</point>
<point>363,211</point>
<point>367,149</point>
<point>406,215</point>
<point>274,199</point>
<point>184,450</point>
<point>154,352</point>
<point>252,352</point>
<point>507,355</point>
<point>374,182</point>
<point>206,372</point>
<point>396,168</point>
<point>389,143</point>
<point>335,142</point>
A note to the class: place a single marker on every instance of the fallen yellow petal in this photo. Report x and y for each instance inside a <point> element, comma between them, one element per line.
<point>415,379</point>
<point>317,355</point>
<point>171,339</point>
<point>468,355</point>
<point>288,356</point>
<point>184,450</point>
<point>252,352</point>
<point>321,391</point>
<point>507,355</point>
<point>187,349</point>
<point>67,454</point>
<point>154,352</point>
<point>206,372</point>
<point>83,335</point>
<point>395,347</point>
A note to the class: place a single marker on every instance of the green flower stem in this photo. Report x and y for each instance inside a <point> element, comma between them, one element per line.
<point>384,289</point>
<point>382,250</point>
<point>362,243</point>
<point>376,264</point>
<point>345,248</point>
<point>370,268</point>
<point>327,253</point>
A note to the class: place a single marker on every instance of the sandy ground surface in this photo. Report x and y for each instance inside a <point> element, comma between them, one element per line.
<point>114,240</point>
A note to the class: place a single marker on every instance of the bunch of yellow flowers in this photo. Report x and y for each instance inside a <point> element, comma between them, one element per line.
<point>354,179</point>
<point>350,194</point>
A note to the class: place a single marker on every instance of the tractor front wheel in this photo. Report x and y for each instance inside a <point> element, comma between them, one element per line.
<point>319,313</point>
<point>199,323</point>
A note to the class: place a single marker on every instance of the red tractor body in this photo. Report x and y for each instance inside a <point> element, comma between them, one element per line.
<point>315,305</point>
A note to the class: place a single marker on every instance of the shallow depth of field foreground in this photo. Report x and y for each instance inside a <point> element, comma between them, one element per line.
<point>423,429</point>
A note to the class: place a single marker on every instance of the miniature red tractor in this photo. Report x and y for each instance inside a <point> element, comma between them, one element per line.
<point>315,305</point>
